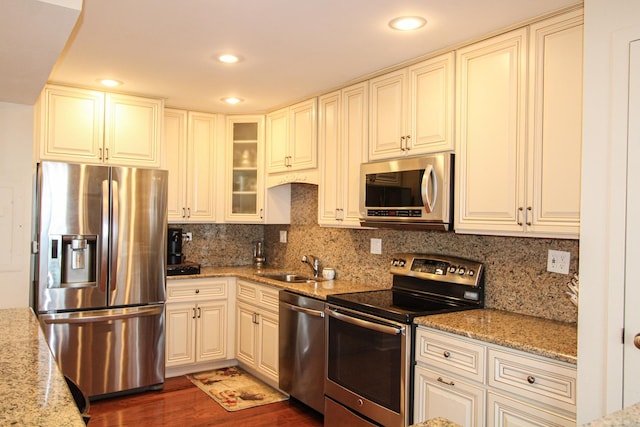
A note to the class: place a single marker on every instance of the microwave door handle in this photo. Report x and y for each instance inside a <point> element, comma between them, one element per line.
<point>429,176</point>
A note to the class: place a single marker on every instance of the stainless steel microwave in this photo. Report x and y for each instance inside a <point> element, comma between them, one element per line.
<point>412,193</point>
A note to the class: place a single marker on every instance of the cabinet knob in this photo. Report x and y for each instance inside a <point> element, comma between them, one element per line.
<point>636,340</point>
<point>446,354</point>
<point>531,379</point>
<point>197,291</point>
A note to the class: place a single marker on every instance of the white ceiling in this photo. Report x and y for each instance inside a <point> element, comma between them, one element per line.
<point>290,48</point>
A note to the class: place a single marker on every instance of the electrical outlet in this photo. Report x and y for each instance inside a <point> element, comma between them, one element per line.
<point>187,237</point>
<point>558,261</point>
<point>283,236</point>
<point>376,246</point>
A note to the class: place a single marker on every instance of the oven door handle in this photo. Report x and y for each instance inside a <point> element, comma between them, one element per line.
<point>385,329</point>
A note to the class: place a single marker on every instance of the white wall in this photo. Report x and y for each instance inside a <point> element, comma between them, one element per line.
<point>600,317</point>
<point>16,171</point>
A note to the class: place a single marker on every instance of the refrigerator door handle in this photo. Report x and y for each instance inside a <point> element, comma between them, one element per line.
<point>102,315</point>
<point>115,215</point>
<point>104,238</point>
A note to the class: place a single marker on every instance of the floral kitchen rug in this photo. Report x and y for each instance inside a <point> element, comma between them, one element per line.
<point>235,389</point>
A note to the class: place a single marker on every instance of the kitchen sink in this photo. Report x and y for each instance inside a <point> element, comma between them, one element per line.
<point>291,277</point>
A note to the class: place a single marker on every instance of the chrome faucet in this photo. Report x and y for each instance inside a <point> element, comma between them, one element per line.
<point>313,262</point>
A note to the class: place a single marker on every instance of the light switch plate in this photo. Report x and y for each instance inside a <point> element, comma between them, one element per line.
<point>558,261</point>
<point>376,246</point>
<point>283,236</point>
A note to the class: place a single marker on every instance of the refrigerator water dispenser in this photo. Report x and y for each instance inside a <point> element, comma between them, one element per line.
<point>72,261</point>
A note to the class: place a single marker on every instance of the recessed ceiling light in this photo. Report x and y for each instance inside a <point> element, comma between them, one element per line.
<point>228,58</point>
<point>232,100</point>
<point>110,82</point>
<point>407,23</point>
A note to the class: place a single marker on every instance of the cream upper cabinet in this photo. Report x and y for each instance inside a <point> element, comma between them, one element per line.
<point>412,109</point>
<point>88,126</point>
<point>342,134</point>
<point>511,182</point>
<point>244,186</point>
<point>190,140</point>
<point>292,138</point>
<point>490,136</point>
<point>554,153</point>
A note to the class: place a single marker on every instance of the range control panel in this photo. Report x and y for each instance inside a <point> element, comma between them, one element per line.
<point>438,267</point>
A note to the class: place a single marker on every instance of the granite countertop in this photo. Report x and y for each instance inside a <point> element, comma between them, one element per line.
<point>318,290</point>
<point>436,422</point>
<point>33,391</point>
<point>547,338</point>
<point>626,417</point>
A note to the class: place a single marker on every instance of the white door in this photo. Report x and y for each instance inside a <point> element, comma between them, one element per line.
<point>631,377</point>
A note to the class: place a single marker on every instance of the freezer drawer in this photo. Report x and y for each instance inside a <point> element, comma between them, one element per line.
<point>109,351</point>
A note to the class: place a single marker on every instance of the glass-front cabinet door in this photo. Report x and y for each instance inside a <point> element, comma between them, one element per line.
<point>245,185</point>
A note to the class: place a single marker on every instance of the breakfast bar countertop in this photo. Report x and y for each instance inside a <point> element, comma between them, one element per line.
<point>543,337</point>
<point>33,391</point>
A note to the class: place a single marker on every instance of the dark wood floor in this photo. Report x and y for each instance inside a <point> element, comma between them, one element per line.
<point>181,403</point>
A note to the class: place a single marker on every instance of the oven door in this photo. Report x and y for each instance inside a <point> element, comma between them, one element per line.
<point>368,366</point>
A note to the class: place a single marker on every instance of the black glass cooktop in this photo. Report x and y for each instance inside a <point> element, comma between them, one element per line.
<point>394,304</point>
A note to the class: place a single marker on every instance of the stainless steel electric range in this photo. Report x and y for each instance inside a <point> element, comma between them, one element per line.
<point>370,337</point>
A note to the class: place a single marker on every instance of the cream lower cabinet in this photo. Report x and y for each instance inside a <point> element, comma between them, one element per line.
<point>197,323</point>
<point>192,156</point>
<point>476,384</point>
<point>257,330</point>
<point>518,135</point>
<point>87,126</point>
<point>342,135</point>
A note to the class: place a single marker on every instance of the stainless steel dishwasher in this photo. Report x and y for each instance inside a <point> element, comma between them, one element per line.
<point>302,355</point>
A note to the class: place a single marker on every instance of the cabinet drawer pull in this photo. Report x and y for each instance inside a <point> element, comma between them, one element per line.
<point>440,380</point>
<point>531,379</point>
<point>520,209</point>
<point>446,354</point>
<point>194,313</point>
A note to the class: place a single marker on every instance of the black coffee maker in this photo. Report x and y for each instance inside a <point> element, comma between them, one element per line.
<point>174,246</point>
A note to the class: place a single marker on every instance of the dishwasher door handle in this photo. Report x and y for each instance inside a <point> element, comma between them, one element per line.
<point>304,310</point>
<point>385,329</point>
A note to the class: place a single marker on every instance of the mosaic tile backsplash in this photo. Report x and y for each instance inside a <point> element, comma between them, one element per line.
<point>516,279</point>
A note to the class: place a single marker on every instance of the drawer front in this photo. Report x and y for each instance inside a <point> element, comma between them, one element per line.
<point>455,355</point>
<point>503,411</point>
<point>540,380</point>
<point>196,289</point>
<point>263,296</point>
<point>247,292</point>
<point>268,298</point>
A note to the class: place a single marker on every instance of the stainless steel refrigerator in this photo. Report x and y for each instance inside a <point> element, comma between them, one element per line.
<point>99,287</point>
